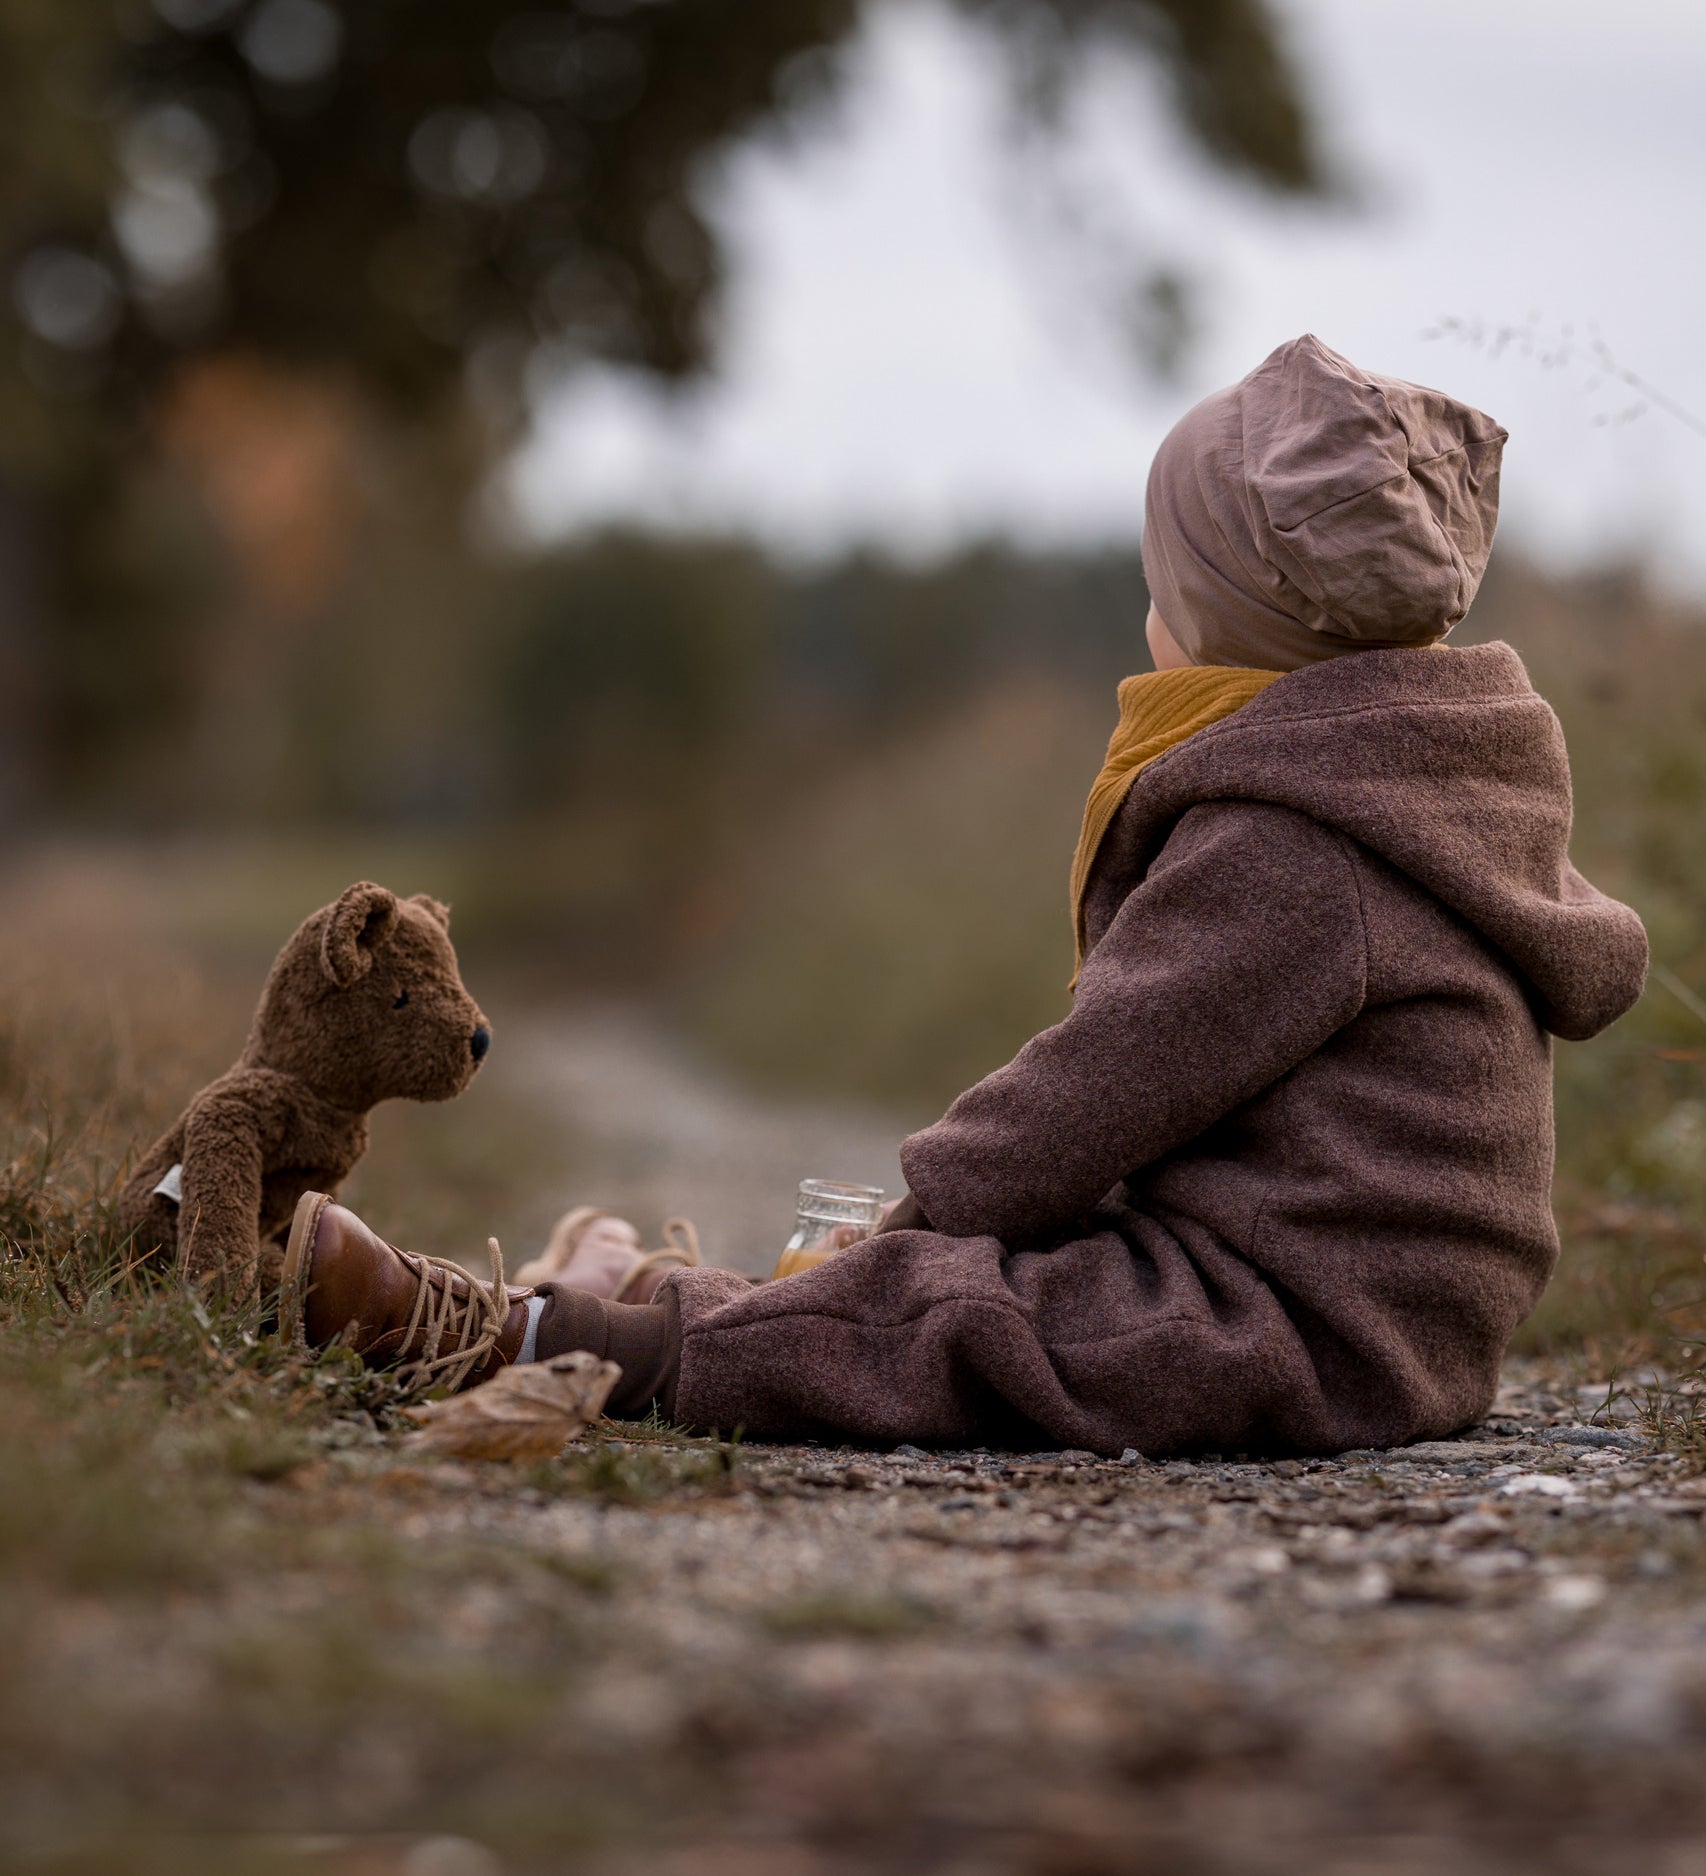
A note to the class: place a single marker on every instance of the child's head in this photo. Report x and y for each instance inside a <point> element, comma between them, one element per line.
<point>1314,508</point>
<point>1164,648</point>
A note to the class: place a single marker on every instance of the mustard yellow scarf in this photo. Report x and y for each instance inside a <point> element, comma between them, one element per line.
<point>1157,712</point>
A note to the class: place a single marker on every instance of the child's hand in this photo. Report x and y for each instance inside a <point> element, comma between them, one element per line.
<point>905,1214</point>
<point>837,1238</point>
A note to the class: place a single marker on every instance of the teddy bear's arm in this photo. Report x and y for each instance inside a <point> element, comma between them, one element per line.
<point>151,1220</point>
<point>219,1215</point>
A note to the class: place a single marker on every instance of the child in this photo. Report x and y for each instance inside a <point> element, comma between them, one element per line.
<point>1280,1181</point>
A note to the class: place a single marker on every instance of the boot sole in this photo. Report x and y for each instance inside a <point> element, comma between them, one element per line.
<point>298,1256</point>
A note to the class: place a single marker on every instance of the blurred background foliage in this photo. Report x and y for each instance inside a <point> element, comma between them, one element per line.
<point>282,277</point>
<point>278,279</point>
<point>282,271</point>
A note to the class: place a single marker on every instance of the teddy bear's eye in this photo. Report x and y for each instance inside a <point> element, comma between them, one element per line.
<point>399,999</point>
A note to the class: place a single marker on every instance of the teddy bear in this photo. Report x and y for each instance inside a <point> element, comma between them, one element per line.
<point>364,1004</point>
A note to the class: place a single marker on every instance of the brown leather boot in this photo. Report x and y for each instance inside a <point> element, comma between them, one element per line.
<point>393,1307</point>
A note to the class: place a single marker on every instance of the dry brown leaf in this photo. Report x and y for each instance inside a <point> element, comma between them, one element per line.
<point>526,1412</point>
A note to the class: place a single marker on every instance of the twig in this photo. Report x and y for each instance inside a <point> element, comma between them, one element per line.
<point>1659,399</point>
<point>1680,991</point>
<point>1562,351</point>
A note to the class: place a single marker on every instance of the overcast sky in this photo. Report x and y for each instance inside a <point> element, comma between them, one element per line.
<point>922,342</point>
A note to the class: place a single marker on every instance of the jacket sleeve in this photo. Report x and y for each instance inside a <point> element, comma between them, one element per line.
<point>1238,955</point>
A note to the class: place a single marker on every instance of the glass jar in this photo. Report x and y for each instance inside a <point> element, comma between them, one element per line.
<point>824,1204</point>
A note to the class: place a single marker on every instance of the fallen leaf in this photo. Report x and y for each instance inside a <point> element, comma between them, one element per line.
<point>527,1412</point>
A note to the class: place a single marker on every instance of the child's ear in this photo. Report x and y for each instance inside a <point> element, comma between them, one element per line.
<point>361,922</point>
<point>433,908</point>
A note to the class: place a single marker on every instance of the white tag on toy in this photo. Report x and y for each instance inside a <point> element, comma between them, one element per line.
<point>172,1186</point>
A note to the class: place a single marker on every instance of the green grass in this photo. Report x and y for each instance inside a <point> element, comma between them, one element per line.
<point>625,1475</point>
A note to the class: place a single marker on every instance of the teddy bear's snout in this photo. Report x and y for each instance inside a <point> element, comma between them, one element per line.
<point>480,1042</point>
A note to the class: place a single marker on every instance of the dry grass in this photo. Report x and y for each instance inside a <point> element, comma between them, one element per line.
<point>1627,675</point>
<point>207,1621</point>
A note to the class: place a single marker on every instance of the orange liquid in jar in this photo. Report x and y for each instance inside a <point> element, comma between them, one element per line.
<point>826,1206</point>
<point>791,1263</point>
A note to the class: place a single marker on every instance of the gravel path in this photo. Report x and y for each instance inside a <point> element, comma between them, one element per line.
<point>667,1135</point>
<point>1486,1653</point>
<point>1477,1654</point>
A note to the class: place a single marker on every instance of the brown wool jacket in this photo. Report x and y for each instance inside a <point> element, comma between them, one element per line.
<point>1280,1181</point>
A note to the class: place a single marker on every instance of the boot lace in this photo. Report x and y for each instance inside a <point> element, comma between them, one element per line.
<point>476,1320</point>
<point>680,1252</point>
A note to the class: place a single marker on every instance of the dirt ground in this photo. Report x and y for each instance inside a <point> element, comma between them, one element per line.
<point>1487,1653</point>
<point>656,1132</point>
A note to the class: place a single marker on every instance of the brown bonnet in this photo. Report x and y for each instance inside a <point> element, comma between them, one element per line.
<point>1314,508</point>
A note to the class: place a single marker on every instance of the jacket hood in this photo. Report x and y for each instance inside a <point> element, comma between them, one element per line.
<point>1450,766</point>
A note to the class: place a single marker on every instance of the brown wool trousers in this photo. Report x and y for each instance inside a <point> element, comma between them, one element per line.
<point>643,1339</point>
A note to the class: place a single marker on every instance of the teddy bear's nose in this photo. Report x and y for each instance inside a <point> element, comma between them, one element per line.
<point>480,1042</point>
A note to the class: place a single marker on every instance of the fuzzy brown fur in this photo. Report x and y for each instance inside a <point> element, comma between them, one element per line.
<point>364,1004</point>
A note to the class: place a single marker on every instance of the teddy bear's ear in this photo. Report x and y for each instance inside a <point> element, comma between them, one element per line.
<point>433,908</point>
<point>361,921</point>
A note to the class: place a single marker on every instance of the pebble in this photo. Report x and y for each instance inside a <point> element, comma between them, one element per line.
<point>1501,1560</point>
<point>1475,1527</point>
<point>1367,1585</point>
<point>1192,1626</point>
<point>449,1856</point>
<point>1575,1592</point>
<point>1538,1485</point>
<point>1447,1452</point>
<point>1593,1436</point>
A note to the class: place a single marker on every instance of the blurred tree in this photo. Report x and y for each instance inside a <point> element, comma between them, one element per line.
<point>406,187</point>
<point>404,200</point>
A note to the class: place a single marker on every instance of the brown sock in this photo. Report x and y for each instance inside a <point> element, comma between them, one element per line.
<point>643,1339</point>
